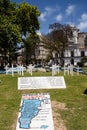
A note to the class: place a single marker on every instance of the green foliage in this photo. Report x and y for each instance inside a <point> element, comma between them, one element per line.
<point>16,21</point>
<point>30,44</point>
<point>27,18</point>
<point>9,30</point>
<point>80,64</point>
<point>84,59</point>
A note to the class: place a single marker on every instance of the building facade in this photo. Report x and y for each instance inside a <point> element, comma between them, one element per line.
<point>76,50</point>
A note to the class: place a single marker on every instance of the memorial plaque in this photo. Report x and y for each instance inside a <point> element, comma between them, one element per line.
<point>35,112</point>
<point>41,82</point>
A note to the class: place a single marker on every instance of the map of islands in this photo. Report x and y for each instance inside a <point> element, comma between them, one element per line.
<point>35,113</point>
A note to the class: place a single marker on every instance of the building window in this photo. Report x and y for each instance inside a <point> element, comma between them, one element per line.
<point>62,54</point>
<point>72,53</point>
<point>56,55</point>
<point>82,54</point>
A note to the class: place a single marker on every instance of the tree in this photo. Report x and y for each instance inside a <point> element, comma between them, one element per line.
<point>27,18</point>
<point>56,42</point>
<point>16,21</point>
<point>84,60</point>
<point>66,28</point>
<point>31,44</point>
<point>9,30</point>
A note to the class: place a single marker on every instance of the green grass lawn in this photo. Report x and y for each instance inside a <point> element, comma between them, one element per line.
<point>74,117</point>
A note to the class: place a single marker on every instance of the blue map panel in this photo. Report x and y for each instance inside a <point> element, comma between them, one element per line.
<point>29,110</point>
<point>35,113</point>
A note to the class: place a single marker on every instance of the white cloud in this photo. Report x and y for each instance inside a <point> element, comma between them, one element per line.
<point>43,16</point>
<point>83,22</point>
<point>48,12</point>
<point>82,25</point>
<point>59,17</point>
<point>70,9</point>
<point>84,17</point>
<point>51,10</point>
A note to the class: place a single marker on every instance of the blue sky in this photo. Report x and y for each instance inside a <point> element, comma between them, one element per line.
<point>60,11</point>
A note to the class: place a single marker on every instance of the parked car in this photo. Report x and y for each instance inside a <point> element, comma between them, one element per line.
<point>47,68</point>
<point>2,71</point>
<point>78,69</point>
<point>57,67</point>
<point>38,66</point>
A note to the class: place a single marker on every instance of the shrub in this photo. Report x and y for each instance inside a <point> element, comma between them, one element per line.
<point>80,64</point>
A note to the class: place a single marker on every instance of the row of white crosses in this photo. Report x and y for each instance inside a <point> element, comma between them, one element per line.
<point>20,70</point>
<point>30,69</point>
<point>67,70</point>
<point>55,69</point>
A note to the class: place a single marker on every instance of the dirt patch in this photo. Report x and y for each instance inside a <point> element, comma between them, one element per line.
<point>58,122</point>
<point>15,123</point>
